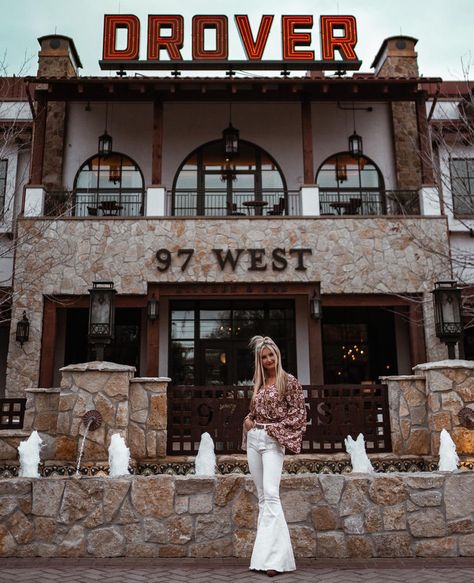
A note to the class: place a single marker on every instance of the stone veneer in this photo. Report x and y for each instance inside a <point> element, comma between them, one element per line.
<point>392,515</point>
<point>363,255</point>
<point>423,404</point>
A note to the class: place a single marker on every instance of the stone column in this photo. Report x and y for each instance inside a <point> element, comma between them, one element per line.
<point>148,418</point>
<point>449,388</point>
<point>408,414</point>
<point>101,386</point>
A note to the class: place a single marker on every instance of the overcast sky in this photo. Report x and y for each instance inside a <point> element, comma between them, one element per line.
<point>444,28</point>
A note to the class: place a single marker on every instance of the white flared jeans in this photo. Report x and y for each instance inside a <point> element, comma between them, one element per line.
<point>272,548</point>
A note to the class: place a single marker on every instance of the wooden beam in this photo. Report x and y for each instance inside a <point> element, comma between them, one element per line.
<point>48,344</point>
<point>152,342</point>
<point>316,365</point>
<point>426,159</point>
<point>39,136</point>
<point>417,333</point>
<point>157,150</point>
<point>307,135</point>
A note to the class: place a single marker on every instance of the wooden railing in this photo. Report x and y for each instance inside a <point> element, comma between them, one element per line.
<point>334,411</point>
<point>12,413</point>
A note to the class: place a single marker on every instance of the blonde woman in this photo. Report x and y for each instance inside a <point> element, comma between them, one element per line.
<point>276,420</point>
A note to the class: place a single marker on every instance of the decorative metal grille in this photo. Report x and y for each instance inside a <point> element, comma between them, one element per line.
<point>334,411</point>
<point>12,413</point>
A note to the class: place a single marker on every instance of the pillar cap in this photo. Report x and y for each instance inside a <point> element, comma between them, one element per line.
<point>57,43</point>
<point>395,46</point>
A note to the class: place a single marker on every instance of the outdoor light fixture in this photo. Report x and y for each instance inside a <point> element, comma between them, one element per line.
<point>230,136</point>
<point>153,308</point>
<point>231,141</point>
<point>315,307</point>
<point>105,140</point>
<point>101,316</point>
<point>448,316</point>
<point>355,145</point>
<point>23,329</point>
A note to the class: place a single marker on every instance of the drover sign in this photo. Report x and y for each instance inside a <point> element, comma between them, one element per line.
<point>166,38</point>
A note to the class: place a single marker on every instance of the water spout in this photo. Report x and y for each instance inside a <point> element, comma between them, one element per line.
<point>206,458</point>
<point>92,420</point>
<point>29,452</point>
<point>119,456</point>
<point>359,459</point>
<point>448,458</point>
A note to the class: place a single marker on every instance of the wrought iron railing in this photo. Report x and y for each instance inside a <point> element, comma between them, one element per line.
<point>241,202</point>
<point>369,202</point>
<point>334,412</point>
<point>103,204</point>
<point>12,413</point>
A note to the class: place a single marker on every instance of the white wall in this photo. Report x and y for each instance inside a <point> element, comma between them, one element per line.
<point>333,126</point>
<point>275,127</point>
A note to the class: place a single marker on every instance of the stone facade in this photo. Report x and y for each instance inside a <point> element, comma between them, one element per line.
<point>345,516</point>
<point>365,255</point>
<point>423,404</point>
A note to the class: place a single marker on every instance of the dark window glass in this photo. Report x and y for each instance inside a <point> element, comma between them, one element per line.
<point>109,186</point>
<point>3,184</point>
<point>210,183</point>
<point>462,185</point>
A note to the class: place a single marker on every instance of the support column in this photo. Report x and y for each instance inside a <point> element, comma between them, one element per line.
<point>426,159</point>
<point>157,149</point>
<point>39,134</point>
<point>316,368</point>
<point>152,343</point>
<point>48,344</point>
<point>417,334</point>
<point>307,135</point>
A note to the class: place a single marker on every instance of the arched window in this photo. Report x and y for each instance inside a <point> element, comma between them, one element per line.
<point>109,186</point>
<point>350,186</point>
<point>249,183</point>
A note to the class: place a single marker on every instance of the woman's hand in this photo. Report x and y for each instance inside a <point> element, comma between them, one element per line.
<point>248,423</point>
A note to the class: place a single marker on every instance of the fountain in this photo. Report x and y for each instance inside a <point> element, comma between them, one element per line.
<point>206,458</point>
<point>92,420</point>
<point>359,459</point>
<point>119,456</point>
<point>29,452</point>
<point>448,458</point>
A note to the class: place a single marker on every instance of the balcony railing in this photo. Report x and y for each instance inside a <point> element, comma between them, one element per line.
<point>241,202</point>
<point>65,203</point>
<point>369,202</point>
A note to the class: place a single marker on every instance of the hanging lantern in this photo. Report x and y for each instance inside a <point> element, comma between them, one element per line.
<point>315,307</point>
<point>448,316</point>
<point>101,315</point>
<point>230,137</point>
<point>153,308</point>
<point>105,144</point>
<point>355,145</point>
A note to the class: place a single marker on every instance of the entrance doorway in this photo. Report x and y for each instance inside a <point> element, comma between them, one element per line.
<point>209,339</point>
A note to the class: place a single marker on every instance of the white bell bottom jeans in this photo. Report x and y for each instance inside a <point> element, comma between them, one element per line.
<point>272,548</point>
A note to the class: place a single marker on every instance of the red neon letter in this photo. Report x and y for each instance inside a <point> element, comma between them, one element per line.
<point>172,43</point>
<point>293,39</point>
<point>344,44</point>
<point>254,49</point>
<point>112,22</point>
<point>200,25</point>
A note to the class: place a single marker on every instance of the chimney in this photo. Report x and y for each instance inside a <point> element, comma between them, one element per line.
<point>397,58</point>
<point>58,57</point>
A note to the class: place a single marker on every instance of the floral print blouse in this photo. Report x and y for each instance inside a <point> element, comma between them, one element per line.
<point>287,414</point>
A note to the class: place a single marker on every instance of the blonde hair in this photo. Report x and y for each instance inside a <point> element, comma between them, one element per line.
<point>257,344</point>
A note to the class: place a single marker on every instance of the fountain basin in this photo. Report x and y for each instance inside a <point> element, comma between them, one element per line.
<point>348,515</point>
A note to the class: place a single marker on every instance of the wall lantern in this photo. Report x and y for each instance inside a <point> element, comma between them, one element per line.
<point>355,145</point>
<point>23,330</point>
<point>315,310</point>
<point>153,308</point>
<point>231,141</point>
<point>101,315</point>
<point>448,316</point>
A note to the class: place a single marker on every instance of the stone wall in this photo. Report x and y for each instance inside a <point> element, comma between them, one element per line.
<point>360,516</point>
<point>365,255</point>
<point>423,404</point>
